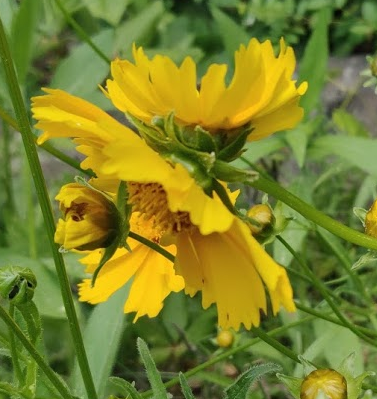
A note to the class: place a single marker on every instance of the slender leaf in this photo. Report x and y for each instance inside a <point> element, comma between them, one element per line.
<point>138,29</point>
<point>316,53</point>
<point>239,389</point>
<point>125,388</point>
<point>154,377</point>
<point>232,33</point>
<point>358,151</point>
<point>102,338</point>
<point>186,390</point>
<point>110,11</point>
<point>24,34</point>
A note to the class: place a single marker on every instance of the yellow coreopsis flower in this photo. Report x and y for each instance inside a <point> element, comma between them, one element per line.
<point>216,253</point>
<point>261,92</point>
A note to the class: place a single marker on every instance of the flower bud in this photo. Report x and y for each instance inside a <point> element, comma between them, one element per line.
<point>90,218</point>
<point>371,220</point>
<point>224,338</point>
<point>331,383</point>
<point>17,284</point>
<point>261,217</point>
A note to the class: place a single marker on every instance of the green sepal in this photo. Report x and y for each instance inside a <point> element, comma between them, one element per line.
<point>361,214</point>
<point>292,383</point>
<point>17,284</point>
<point>235,142</point>
<point>228,173</point>
<point>123,213</point>
<point>197,138</point>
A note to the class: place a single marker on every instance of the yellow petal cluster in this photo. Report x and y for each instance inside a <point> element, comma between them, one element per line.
<point>261,91</point>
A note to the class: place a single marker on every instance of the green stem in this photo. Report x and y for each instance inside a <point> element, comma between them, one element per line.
<point>43,198</point>
<point>6,165</point>
<point>152,245</point>
<point>275,344</point>
<point>316,216</point>
<point>47,146</point>
<point>323,291</point>
<point>347,266</point>
<point>81,33</point>
<point>50,374</point>
<point>14,353</point>
<point>27,186</point>
<point>324,316</point>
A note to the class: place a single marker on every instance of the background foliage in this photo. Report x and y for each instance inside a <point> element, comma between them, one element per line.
<point>328,160</point>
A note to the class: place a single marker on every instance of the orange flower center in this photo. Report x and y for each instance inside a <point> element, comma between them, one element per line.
<point>150,200</point>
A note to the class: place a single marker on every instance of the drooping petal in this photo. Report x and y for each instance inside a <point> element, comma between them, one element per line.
<point>153,279</point>
<point>226,268</point>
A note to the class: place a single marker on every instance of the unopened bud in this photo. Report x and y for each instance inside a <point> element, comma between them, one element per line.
<point>260,217</point>
<point>326,381</point>
<point>371,221</point>
<point>90,218</point>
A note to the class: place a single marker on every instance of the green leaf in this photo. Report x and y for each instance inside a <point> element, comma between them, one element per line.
<point>186,390</point>
<point>126,389</point>
<point>239,389</point>
<point>347,123</point>
<point>175,314</point>
<point>24,35</point>
<point>110,11</point>
<point>358,151</point>
<point>138,29</point>
<point>316,53</point>
<point>232,33</point>
<point>83,70</point>
<point>102,337</point>
<point>154,377</point>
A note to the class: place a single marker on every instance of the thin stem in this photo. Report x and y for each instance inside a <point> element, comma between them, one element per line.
<point>50,374</point>
<point>354,277</point>
<point>47,146</point>
<point>152,245</point>
<point>30,216</point>
<point>6,165</point>
<point>81,33</point>
<point>43,198</point>
<point>324,316</point>
<point>313,214</point>
<point>323,291</point>
<point>14,353</point>
<point>275,344</point>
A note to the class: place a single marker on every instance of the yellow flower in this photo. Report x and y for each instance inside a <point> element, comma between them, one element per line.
<point>90,219</point>
<point>261,91</point>
<point>328,381</point>
<point>216,253</point>
<point>153,275</point>
<point>371,220</point>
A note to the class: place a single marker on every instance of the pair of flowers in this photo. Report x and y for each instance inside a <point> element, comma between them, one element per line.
<point>176,169</point>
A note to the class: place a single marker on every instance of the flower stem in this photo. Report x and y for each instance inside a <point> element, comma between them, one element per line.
<point>14,353</point>
<point>313,214</point>
<point>81,33</point>
<point>152,245</point>
<point>47,146</point>
<point>50,374</point>
<point>323,291</point>
<point>43,198</point>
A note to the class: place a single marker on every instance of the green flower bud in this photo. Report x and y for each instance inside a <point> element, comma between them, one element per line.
<point>17,284</point>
